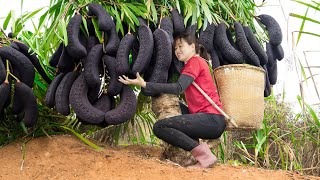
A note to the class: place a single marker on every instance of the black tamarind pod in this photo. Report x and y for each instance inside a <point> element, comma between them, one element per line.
<point>192,29</point>
<point>273,28</point>
<point>54,60</point>
<point>167,25</point>
<point>125,109</point>
<point>17,106</point>
<point>178,22</point>
<point>162,55</point>
<point>34,60</point>
<point>231,40</point>
<point>20,62</point>
<point>230,54</point>
<point>206,37</point>
<point>63,91</point>
<point>14,45</point>
<point>91,67</point>
<point>267,89</point>
<point>4,93</point>
<point>113,42</point>
<point>122,59</point>
<point>29,103</point>
<point>222,60</point>
<point>105,21</point>
<point>271,58</point>
<point>244,46</point>
<point>103,103</point>
<point>75,48</point>
<point>278,52</point>
<point>134,52</point>
<point>66,62</point>
<point>92,41</point>
<point>142,21</point>
<point>273,72</point>
<point>51,92</point>
<point>145,50</point>
<point>255,45</point>
<point>3,71</point>
<point>90,27</point>
<point>114,86</point>
<point>93,93</point>
<point>215,62</point>
<point>78,99</point>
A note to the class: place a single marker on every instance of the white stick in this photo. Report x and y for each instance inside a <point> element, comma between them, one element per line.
<point>230,119</point>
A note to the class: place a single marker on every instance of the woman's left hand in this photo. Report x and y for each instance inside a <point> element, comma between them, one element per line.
<point>138,81</point>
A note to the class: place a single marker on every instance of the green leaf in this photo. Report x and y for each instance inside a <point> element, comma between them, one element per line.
<point>13,22</point>
<point>154,13</point>
<point>130,15</point>
<point>136,10</point>
<point>96,29</point>
<point>30,15</point>
<point>302,26</point>
<point>6,21</point>
<point>63,26</point>
<point>305,18</point>
<point>83,138</point>
<point>84,21</point>
<point>313,115</point>
<point>118,20</point>
<point>207,12</point>
<point>307,4</point>
<point>310,33</point>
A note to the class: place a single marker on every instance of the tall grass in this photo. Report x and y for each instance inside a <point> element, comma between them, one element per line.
<point>287,140</point>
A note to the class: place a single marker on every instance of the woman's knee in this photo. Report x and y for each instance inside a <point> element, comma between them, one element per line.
<point>158,127</point>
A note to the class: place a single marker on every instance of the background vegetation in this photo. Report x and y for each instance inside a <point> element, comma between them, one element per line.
<point>287,141</point>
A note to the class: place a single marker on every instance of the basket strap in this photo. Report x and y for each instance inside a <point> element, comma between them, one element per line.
<point>230,119</point>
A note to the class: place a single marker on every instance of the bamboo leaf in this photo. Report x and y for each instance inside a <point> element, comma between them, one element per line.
<point>154,13</point>
<point>96,29</point>
<point>7,20</point>
<point>130,15</point>
<point>84,21</point>
<point>310,33</point>
<point>30,15</point>
<point>82,138</point>
<point>118,20</point>
<point>307,4</point>
<point>64,32</point>
<point>206,11</point>
<point>302,26</point>
<point>305,18</point>
<point>136,10</point>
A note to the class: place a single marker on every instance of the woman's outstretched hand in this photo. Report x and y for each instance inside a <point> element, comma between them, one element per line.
<point>138,81</point>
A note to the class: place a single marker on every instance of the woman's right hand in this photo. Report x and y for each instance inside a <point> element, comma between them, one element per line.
<point>139,81</point>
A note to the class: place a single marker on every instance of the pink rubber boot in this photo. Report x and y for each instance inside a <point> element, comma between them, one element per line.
<point>204,156</point>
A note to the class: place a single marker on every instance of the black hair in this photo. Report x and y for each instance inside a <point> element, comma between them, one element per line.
<point>189,38</point>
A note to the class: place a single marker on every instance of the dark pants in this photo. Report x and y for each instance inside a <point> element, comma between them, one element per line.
<point>181,131</point>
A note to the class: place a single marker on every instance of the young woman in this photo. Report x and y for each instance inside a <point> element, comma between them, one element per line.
<point>204,121</point>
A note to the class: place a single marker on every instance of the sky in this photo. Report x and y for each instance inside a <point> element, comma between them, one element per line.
<point>289,76</point>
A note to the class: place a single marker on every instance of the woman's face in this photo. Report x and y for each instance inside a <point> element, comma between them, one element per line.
<point>183,50</point>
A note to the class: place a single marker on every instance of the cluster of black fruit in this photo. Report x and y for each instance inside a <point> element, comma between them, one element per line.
<point>149,52</point>
<point>21,65</point>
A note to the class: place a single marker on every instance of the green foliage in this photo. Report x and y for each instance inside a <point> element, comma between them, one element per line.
<point>287,142</point>
<point>312,5</point>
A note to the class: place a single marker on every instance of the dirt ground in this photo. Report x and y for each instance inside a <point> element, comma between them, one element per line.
<point>66,157</point>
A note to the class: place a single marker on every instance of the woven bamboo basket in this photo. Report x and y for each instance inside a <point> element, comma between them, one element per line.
<point>241,87</point>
